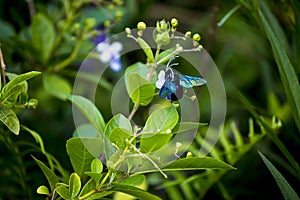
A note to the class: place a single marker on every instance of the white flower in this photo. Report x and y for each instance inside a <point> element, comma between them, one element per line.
<point>110,53</point>
<point>160,79</point>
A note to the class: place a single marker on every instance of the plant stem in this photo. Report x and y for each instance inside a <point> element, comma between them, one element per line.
<point>133,111</point>
<point>31,8</point>
<point>3,67</point>
<point>73,55</point>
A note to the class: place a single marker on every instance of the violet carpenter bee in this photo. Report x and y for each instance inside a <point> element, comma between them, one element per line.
<point>172,84</point>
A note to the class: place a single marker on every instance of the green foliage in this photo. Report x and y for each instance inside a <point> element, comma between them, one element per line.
<point>89,110</point>
<point>111,155</point>
<point>43,36</point>
<point>285,188</point>
<point>56,86</point>
<point>14,94</point>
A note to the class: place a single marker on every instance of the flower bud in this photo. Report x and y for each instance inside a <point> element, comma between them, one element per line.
<point>196,37</point>
<point>128,31</point>
<point>119,15</point>
<point>189,154</point>
<point>107,23</point>
<point>141,26</point>
<point>188,34</point>
<point>89,23</point>
<point>174,22</point>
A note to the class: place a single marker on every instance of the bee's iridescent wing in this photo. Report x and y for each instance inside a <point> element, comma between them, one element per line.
<point>167,89</point>
<point>191,81</point>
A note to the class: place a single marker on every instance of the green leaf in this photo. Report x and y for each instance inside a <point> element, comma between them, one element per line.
<point>95,176</point>
<point>156,141</point>
<point>134,180</point>
<point>161,120</point>
<point>18,80</point>
<point>63,191</point>
<point>118,121</point>
<point>49,174</point>
<point>89,186</point>
<point>196,163</point>
<point>285,188</point>
<point>139,89</point>
<point>56,85</point>
<point>286,70</point>
<point>99,195</point>
<point>270,133</point>
<point>146,48</point>
<point>42,35</point>
<point>10,120</point>
<point>37,137</point>
<point>139,68</point>
<point>166,55</point>
<point>89,110</point>
<point>134,191</point>
<point>82,152</point>
<point>43,190</point>
<point>11,98</point>
<point>118,136</point>
<point>96,166</point>
<point>85,131</point>
<point>74,185</point>
<point>186,126</point>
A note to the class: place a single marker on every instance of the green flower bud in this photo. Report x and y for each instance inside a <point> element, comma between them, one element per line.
<point>188,34</point>
<point>76,28</point>
<point>107,23</point>
<point>128,31</point>
<point>118,2</point>
<point>196,37</point>
<point>89,23</point>
<point>189,154</point>
<point>174,22</point>
<point>163,25</point>
<point>141,26</point>
<point>119,15</point>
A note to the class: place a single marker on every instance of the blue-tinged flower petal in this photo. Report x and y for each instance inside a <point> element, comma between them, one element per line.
<point>115,64</point>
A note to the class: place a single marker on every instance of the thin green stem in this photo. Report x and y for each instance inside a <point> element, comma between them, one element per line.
<point>71,58</point>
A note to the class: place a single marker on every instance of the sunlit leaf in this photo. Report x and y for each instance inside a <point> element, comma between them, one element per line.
<point>154,142</point>
<point>146,48</point>
<point>74,185</point>
<point>82,152</point>
<point>118,136</point>
<point>89,110</point>
<point>161,120</point>
<point>49,174</point>
<point>139,89</point>
<point>134,191</point>
<point>118,121</point>
<point>42,190</point>
<point>10,120</point>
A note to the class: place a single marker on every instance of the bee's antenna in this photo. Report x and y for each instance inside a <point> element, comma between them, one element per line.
<point>168,65</point>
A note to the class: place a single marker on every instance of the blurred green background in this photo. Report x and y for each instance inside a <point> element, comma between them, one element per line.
<point>239,48</point>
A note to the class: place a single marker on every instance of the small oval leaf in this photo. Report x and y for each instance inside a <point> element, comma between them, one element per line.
<point>74,185</point>
<point>146,48</point>
<point>96,166</point>
<point>42,190</point>
<point>161,120</point>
